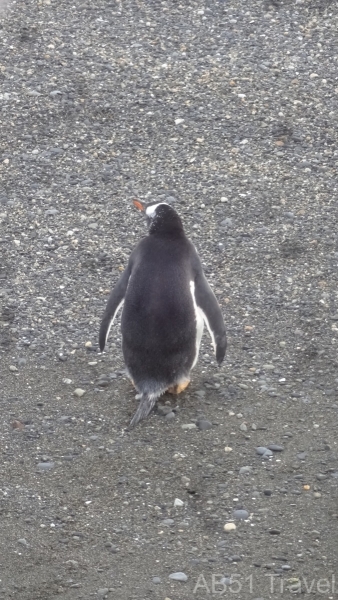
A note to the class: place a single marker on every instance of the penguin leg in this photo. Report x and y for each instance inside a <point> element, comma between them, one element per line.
<point>179,387</point>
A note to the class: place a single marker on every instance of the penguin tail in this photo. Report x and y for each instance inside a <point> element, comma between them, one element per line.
<point>147,403</point>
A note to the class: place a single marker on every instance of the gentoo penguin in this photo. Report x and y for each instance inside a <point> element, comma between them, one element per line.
<point>166,300</point>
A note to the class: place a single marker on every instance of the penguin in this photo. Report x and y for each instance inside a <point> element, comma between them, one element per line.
<point>166,302</point>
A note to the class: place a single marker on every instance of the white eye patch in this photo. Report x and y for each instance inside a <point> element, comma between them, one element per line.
<point>151,210</point>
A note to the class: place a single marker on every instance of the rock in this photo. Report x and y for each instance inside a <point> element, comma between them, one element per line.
<point>156,579</point>
<point>23,542</point>
<point>179,576</point>
<point>241,514</point>
<point>245,470</point>
<point>189,426</point>
<point>203,424</point>
<point>243,427</point>
<point>13,368</point>
<point>164,409</point>
<point>102,592</point>
<point>168,522</point>
<point>178,502</point>
<point>79,392</point>
<point>18,425</point>
<point>170,416</point>
<point>229,527</point>
<point>264,452</point>
<point>275,448</point>
<point>45,466</point>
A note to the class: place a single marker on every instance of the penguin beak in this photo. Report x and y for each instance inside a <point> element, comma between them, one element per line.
<point>139,205</point>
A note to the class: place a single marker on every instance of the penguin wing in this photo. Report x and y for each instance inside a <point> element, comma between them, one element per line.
<point>114,303</point>
<point>211,312</point>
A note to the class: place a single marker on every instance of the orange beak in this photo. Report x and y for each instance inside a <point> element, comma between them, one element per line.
<point>138,205</point>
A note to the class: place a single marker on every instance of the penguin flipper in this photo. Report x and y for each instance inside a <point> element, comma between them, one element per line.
<point>212,315</point>
<point>114,303</point>
<point>147,403</point>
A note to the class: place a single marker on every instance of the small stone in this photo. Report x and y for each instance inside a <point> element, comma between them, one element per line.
<point>45,466</point>
<point>317,495</point>
<point>22,362</point>
<point>286,567</point>
<point>267,492</point>
<point>241,514</point>
<point>178,502</point>
<point>18,425</point>
<point>170,416</point>
<point>156,579</point>
<point>261,450</point>
<point>189,426</point>
<point>102,591</point>
<point>254,427</point>
<point>245,470</point>
<point>179,576</point>
<point>243,427</point>
<point>23,542</point>
<point>229,527</point>
<point>13,368</point>
<point>88,345</point>
<point>275,448</point>
<point>179,121</point>
<point>163,409</point>
<point>79,392</point>
<point>67,381</point>
<point>168,522</point>
<point>227,449</point>
<point>274,531</point>
<point>321,476</point>
<point>203,424</point>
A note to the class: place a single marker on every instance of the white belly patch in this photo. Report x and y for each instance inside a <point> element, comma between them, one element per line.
<point>199,316</point>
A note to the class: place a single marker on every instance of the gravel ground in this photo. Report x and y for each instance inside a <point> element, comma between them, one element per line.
<point>230,110</point>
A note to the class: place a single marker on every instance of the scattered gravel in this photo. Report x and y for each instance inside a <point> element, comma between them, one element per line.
<point>227,110</point>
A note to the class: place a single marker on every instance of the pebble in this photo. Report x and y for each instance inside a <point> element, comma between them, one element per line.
<point>13,368</point>
<point>79,392</point>
<point>170,416</point>
<point>178,502</point>
<point>243,427</point>
<point>67,381</point>
<point>241,514</point>
<point>321,476</point>
<point>23,542</point>
<point>203,424</point>
<point>163,409</point>
<point>167,522</point>
<point>156,579</point>
<point>189,426</point>
<point>264,452</point>
<point>245,470</point>
<point>274,531</point>
<point>229,527</point>
<point>275,448</point>
<point>267,492</point>
<point>102,591</point>
<point>227,449</point>
<point>179,576</point>
<point>22,362</point>
<point>45,466</point>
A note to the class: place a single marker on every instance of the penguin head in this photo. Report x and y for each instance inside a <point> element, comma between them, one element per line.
<point>162,219</point>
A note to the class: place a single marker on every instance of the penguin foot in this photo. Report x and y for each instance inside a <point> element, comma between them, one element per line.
<point>180,387</point>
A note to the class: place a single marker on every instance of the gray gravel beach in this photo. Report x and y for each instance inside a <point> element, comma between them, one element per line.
<point>228,110</point>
